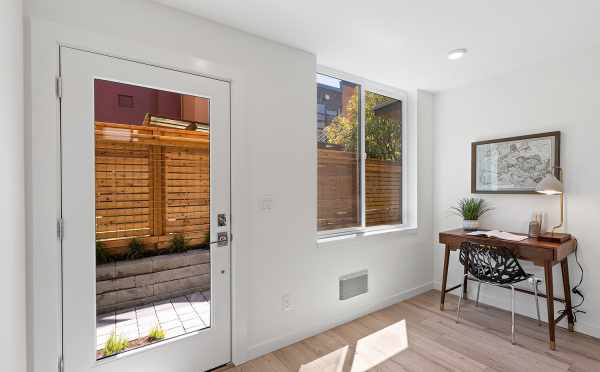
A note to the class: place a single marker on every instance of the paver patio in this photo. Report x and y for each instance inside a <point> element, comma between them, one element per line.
<point>176,316</point>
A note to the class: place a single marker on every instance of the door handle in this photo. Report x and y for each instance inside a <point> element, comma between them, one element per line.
<point>222,239</point>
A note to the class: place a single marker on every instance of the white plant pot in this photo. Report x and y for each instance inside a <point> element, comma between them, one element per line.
<point>470,224</point>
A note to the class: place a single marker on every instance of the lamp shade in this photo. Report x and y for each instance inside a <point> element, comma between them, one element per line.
<point>549,185</point>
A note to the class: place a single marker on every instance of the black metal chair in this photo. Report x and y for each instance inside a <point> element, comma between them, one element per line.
<point>497,266</point>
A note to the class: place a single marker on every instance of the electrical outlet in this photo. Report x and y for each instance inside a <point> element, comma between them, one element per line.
<point>286,303</point>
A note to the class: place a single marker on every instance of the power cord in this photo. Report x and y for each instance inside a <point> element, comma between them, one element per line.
<point>576,289</point>
<point>576,308</point>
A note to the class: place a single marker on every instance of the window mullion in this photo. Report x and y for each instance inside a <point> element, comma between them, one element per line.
<point>363,157</point>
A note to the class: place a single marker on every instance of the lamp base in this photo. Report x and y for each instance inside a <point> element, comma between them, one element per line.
<point>554,237</point>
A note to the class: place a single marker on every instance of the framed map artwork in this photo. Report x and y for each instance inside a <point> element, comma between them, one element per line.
<point>514,165</point>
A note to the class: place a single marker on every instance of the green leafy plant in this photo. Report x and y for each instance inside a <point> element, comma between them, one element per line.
<point>471,209</point>
<point>135,249</point>
<point>115,344</point>
<point>156,334</point>
<point>178,244</point>
<point>102,255</point>
<point>383,135</point>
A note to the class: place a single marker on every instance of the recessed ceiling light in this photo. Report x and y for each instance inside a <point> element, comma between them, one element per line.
<point>457,53</point>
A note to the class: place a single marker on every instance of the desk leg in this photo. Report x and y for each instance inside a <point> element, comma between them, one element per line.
<point>444,277</point>
<point>564,265</point>
<point>550,303</point>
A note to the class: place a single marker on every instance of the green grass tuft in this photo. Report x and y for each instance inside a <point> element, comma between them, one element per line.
<point>206,239</point>
<point>115,344</point>
<point>178,244</point>
<point>102,255</point>
<point>135,249</point>
<point>156,334</point>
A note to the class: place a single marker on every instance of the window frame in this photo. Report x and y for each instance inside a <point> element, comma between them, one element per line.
<point>391,92</point>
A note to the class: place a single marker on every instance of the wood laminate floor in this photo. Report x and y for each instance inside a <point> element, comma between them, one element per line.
<point>415,335</point>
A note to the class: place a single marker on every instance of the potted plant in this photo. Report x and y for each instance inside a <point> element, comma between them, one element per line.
<point>471,209</point>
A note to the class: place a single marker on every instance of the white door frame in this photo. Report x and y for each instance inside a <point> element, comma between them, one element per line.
<point>210,347</point>
<point>43,177</point>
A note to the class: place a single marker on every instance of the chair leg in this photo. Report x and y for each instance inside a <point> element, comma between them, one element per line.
<point>513,314</point>
<point>536,282</point>
<point>459,303</point>
<point>478,290</point>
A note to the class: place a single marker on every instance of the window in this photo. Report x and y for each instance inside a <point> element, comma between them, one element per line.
<point>383,166</point>
<point>338,142</point>
<point>153,198</point>
<point>359,143</point>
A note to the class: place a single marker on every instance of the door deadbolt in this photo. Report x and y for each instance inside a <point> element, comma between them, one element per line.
<point>222,219</point>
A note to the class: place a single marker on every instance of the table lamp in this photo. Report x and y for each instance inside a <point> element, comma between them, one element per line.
<point>550,185</point>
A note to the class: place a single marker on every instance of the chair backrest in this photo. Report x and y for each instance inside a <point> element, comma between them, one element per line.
<point>491,263</point>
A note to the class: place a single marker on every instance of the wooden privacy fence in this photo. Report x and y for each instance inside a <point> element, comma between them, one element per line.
<point>338,185</point>
<point>151,183</point>
<point>339,182</point>
<point>384,192</point>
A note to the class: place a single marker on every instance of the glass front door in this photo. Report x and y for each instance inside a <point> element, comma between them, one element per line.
<point>145,195</point>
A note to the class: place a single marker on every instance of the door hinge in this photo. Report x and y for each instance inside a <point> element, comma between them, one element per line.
<point>60,229</point>
<point>61,364</point>
<point>58,87</point>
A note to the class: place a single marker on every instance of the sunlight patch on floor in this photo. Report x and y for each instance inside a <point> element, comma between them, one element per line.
<point>332,362</point>
<point>380,346</point>
<point>369,352</point>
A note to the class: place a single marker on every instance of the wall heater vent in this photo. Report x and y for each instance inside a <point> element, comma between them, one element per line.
<point>354,284</point>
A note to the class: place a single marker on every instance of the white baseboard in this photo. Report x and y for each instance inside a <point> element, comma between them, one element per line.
<point>276,343</point>
<point>590,329</point>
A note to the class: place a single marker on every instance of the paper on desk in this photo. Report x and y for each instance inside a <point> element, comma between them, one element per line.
<point>499,234</point>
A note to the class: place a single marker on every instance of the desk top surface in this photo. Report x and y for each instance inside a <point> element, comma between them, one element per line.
<point>529,242</point>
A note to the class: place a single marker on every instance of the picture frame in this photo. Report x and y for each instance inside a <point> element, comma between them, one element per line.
<point>514,165</point>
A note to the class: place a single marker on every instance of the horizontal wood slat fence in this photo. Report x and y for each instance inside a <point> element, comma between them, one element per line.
<point>339,182</point>
<point>151,183</point>
<point>384,192</point>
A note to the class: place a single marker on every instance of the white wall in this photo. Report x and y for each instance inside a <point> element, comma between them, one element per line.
<point>274,153</point>
<point>553,95</point>
<point>12,188</point>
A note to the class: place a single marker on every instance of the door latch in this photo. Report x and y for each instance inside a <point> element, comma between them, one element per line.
<point>60,229</point>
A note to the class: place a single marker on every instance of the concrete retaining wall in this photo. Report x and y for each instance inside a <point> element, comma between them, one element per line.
<point>122,285</point>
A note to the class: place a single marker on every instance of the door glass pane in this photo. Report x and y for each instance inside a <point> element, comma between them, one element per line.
<point>152,215</point>
<point>338,145</point>
<point>383,167</point>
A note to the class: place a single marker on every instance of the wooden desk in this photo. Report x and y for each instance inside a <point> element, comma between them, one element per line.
<point>541,253</point>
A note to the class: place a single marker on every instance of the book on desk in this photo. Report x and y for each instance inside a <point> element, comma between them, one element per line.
<point>499,235</point>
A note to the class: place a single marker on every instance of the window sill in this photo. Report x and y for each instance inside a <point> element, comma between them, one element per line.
<point>325,239</point>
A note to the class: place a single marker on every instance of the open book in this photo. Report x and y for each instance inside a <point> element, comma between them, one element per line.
<point>499,234</point>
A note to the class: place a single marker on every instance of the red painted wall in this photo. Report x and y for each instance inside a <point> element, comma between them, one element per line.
<point>144,100</point>
<point>137,101</point>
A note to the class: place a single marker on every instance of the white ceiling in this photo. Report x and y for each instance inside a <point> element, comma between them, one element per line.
<point>404,42</point>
